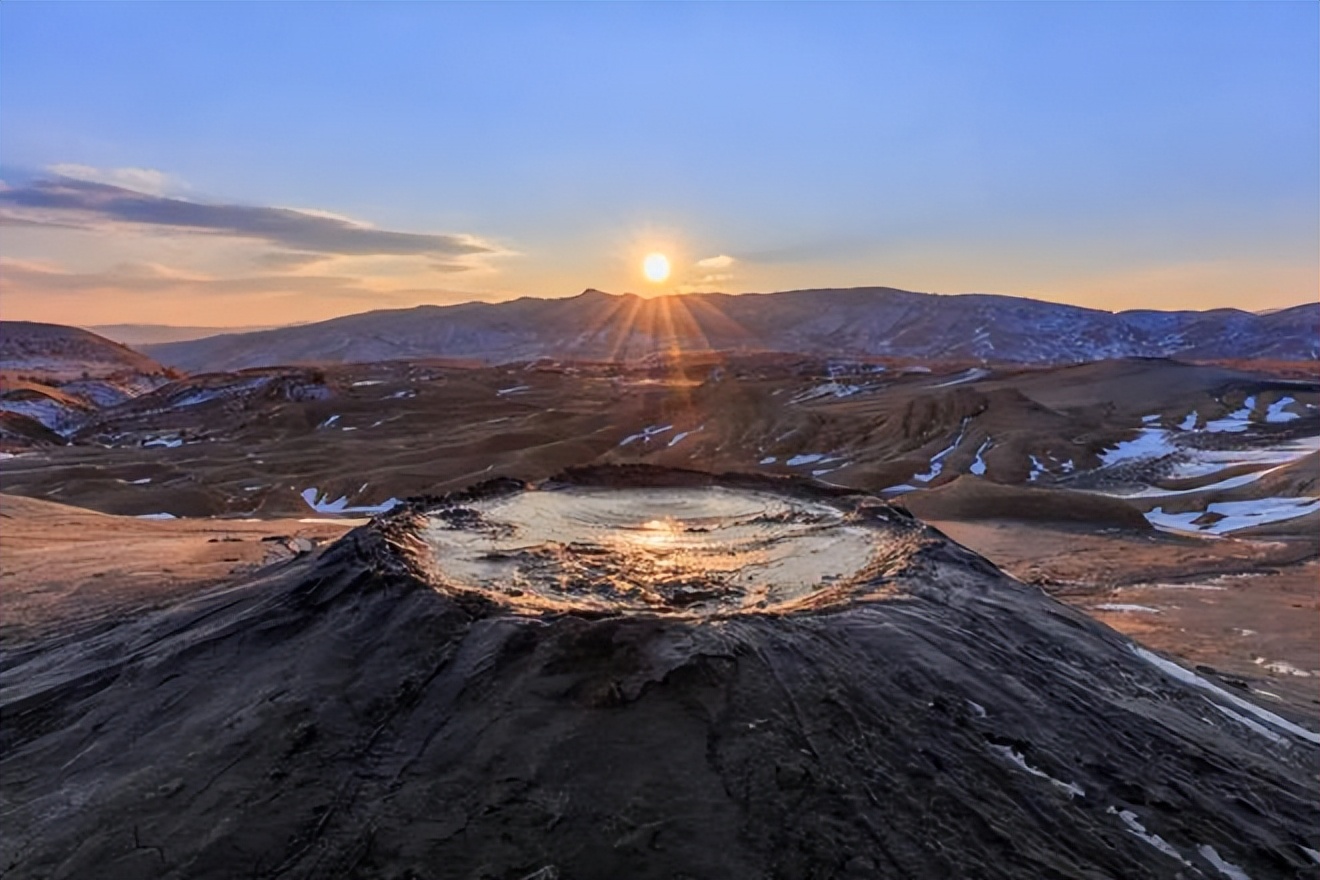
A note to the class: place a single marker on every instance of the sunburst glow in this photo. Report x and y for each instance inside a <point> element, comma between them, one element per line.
<point>655,267</point>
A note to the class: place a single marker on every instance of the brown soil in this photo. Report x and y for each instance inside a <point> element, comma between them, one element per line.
<point>1269,588</point>
<point>970,498</point>
<point>65,568</point>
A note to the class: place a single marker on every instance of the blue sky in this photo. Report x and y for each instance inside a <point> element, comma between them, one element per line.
<point>1114,155</point>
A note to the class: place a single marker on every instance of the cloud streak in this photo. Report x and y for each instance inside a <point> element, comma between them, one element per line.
<point>18,276</point>
<point>720,261</point>
<point>146,180</point>
<point>89,204</point>
<point>43,291</point>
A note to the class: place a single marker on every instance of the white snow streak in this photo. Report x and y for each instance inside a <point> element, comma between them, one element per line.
<point>1150,443</point>
<point>646,434</point>
<point>1236,515</point>
<point>1235,422</point>
<point>1135,827</point>
<point>1173,670</point>
<point>1228,869</point>
<point>323,504</point>
<point>978,466</point>
<point>1277,411</point>
<point>1072,788</point>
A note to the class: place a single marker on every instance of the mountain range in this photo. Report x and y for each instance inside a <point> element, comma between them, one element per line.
<point>870,321</point>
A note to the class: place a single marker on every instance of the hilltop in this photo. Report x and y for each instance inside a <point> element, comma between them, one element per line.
<point>53,377</point>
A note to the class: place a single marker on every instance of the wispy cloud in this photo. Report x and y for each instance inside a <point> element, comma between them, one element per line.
<point>720,261</point>
<point>144,180</point>
<point>18,276</point>
<point>44,291</point>
<point>287,261</point>
<point>708,283</point>
<point>66,201</point>
<point>710,274</point>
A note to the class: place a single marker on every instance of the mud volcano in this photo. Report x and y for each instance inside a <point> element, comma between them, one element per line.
<point>690,550</point>
<point>639,673</point>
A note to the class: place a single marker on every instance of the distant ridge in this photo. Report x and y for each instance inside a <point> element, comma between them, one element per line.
<point>151,334</point>
<point>57,352</point>
<point>846,322</point>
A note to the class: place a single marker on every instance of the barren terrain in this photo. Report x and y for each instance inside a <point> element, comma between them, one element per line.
<point>375,711</point>
<point>1173,505</point>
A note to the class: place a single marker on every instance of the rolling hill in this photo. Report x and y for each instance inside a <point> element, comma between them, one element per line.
<point>53,377</point>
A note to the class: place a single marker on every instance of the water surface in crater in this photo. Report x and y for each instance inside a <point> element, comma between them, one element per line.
<point>699,549</point>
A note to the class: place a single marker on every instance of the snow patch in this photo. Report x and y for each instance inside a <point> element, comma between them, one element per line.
<point>682,434</point>
<point>1254,726</point>
<point>937,463</point>
<point>1230,483</point>
<point>1235,515</point>
<point>1037,468</point>
<point>322,503</point>
<point>1279,667</point>
<point>1149,443</point>
<point>1126,608</point>
<point>1173,670</point>
<point>51,413</point>
<point>1228,869</point>
<point>156,516</point>
<point>969,376</point>
<point>769,459</point>
<point>1135,826</point>
<point>516,389</point>
<point>1203,462</point>
<point>198,397</point>
<point>832,388</point>
<point>1277,411</point>
<point>1072,788</point>
<point>646,434</point>
<point>978,466</point>
<point>1235,422</point>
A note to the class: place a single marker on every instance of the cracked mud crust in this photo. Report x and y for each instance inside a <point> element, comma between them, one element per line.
<point>687,550</point>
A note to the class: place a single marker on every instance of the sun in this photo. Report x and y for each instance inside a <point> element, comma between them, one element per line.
<point>655,267</point>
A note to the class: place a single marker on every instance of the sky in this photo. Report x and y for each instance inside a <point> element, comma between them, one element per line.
<point>244,164</point>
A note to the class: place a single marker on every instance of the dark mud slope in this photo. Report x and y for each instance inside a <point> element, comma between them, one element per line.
<point>365,716</point>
